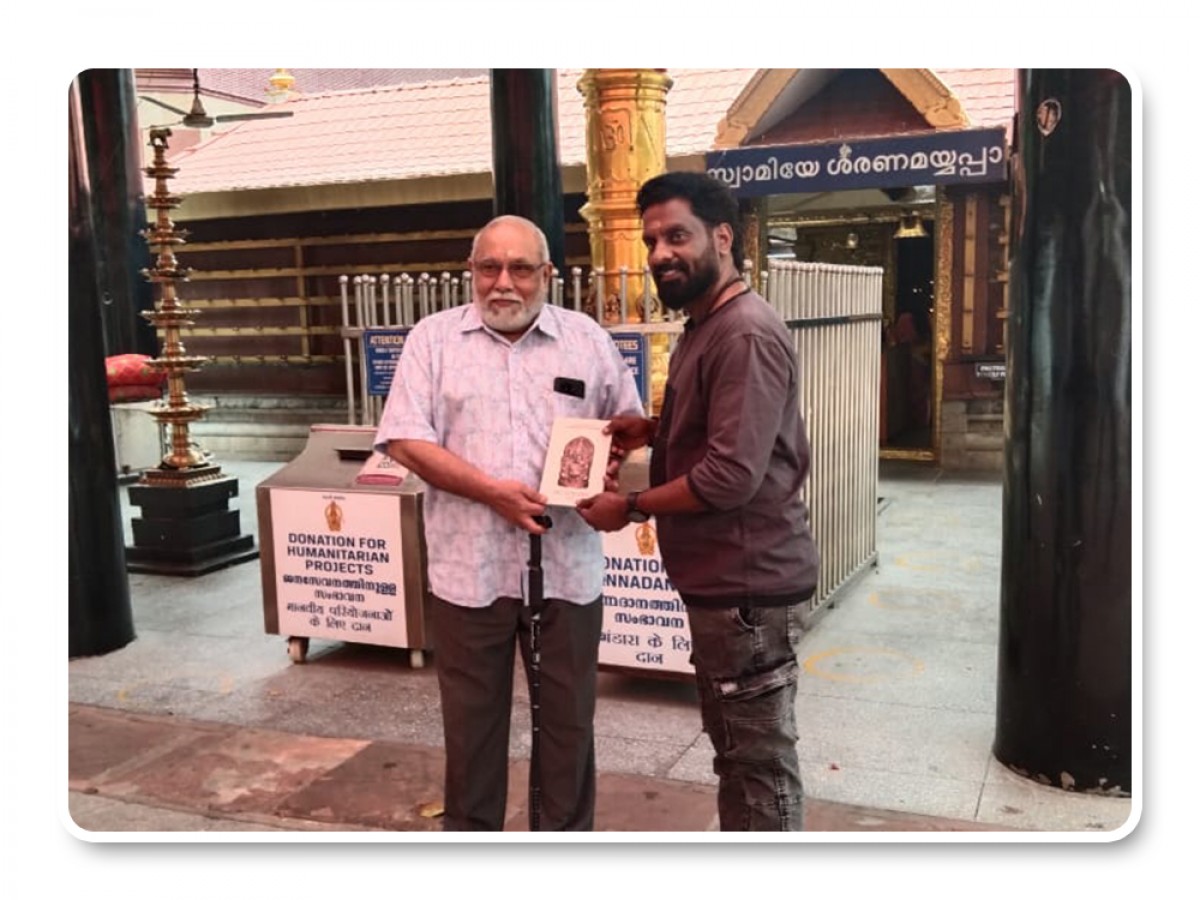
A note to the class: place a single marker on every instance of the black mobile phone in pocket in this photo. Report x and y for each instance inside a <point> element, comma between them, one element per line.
<point>572,387</point>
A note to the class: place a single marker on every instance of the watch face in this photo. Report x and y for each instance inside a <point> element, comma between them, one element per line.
<point>631,511</point>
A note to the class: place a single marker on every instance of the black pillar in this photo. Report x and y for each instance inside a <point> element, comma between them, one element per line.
<point>525,152</point>
<point>1063,713</point>
<point>100,618</point>
<point>111,138</point>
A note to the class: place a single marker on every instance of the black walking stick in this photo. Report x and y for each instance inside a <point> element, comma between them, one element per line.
<point>536,602</point>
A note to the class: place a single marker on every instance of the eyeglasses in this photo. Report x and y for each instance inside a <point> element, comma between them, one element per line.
<point>489,270</point>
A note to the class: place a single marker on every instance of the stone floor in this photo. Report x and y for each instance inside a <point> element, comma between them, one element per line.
<point>896,701</point>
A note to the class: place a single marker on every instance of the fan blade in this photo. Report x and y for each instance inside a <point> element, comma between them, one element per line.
<point>237,117</point>
<point>166,106</point>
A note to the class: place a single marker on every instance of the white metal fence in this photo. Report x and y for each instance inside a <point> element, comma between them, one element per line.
<point>834,314</point>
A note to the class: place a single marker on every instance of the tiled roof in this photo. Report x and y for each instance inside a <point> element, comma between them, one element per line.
<point>407,131</point>
<point>987,96</point>
<point>441,128</point>
<point>253,83</point>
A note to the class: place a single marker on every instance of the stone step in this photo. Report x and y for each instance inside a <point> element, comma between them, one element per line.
<point>307,414</point>
<point>986,425</point>
<point>265,427</point>
<point>251,439</point>
<point>984,460</point>
<point>251,427</point>
<point>979,441</point>
<point>270,401</point>
<point>262,426</point>
<point>980,406</point>
<point>282,448</point>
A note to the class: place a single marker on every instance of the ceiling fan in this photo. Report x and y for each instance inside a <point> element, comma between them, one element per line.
<point>198,118</point>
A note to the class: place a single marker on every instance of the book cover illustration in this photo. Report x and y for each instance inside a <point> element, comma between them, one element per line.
<point>575,461</point>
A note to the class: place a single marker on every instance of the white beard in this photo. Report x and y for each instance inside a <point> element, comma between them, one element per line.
<point>510,318</point>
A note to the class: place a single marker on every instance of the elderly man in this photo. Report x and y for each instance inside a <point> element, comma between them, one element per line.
<point>474,396</point>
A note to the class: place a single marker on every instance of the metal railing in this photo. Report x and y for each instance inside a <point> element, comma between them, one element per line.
<point>370,301</point>
<point>834,314</point>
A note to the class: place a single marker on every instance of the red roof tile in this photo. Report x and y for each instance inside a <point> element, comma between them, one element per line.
<point>987,96</point>
<point>441,128</point>
<point>423,130</point>
<point>254,83</point>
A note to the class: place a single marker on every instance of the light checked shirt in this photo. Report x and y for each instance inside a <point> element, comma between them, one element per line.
<point>491,402</point>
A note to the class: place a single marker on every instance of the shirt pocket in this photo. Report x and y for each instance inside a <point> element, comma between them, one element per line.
<point>567,406</point>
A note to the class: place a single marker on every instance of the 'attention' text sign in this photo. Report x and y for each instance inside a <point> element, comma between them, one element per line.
<point>381,349</point>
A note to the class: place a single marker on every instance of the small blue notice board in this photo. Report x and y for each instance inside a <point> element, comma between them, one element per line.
<point>381,349</point>
<point>634,350</point>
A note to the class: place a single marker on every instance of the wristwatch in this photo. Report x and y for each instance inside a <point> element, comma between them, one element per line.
<point>632,513</point>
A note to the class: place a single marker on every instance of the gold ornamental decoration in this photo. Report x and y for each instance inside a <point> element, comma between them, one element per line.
<point>626,146</point>
<point>186,461</point>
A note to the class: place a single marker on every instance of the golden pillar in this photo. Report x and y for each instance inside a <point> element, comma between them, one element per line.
<point>626,146</point>
<point>753,213</point>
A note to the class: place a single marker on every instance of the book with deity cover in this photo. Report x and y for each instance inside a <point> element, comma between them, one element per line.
<point>575,461</point>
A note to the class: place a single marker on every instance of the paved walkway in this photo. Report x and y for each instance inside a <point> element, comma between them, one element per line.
<point>202,723</point>
<point>135,772</point>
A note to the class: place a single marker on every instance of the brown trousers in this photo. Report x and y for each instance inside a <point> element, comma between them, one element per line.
<point>474,653</point>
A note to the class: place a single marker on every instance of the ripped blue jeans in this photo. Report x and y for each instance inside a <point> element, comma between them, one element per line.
<point>746,675</point>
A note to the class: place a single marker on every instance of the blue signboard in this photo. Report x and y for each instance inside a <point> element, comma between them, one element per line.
<point>381,350</point>
<point>976,156</point>
<point>633,347</point>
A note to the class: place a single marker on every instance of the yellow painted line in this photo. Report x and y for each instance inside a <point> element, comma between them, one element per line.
<point>908,665</point>
<point>969,564</point>
<point>904,563</point>
<point>940,602</point>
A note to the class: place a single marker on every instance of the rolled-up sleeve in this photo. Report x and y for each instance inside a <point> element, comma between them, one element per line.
<point>747,393</point>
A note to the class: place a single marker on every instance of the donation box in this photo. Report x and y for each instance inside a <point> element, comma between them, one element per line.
<point>342,553</point>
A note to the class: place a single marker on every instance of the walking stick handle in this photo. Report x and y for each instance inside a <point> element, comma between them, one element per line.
<point>535,562</point>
